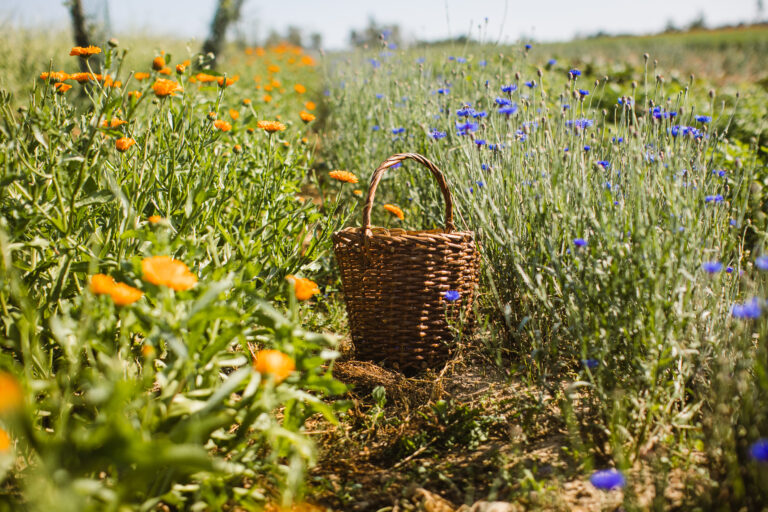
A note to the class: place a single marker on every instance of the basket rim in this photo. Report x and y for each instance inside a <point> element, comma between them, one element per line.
<point>380,232</point>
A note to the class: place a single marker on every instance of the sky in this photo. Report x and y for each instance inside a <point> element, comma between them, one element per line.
<point>507,20</point>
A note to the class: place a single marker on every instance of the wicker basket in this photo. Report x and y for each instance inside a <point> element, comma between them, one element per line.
<point>395,283</point>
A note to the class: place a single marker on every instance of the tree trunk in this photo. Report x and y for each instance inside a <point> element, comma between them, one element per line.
<point>79,29</point>
<point>226,12</point>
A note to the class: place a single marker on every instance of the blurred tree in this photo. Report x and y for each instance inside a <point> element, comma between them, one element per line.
<point>315,40</point>
<point>699,23</point>
<point>79,29</point>
<point>373,34</point>
<point>227,11</point>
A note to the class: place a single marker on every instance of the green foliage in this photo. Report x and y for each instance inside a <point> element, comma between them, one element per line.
<point>156,401</point>
<point>593,234</point>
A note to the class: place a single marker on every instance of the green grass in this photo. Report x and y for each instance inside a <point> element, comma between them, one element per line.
<point>622,349</point>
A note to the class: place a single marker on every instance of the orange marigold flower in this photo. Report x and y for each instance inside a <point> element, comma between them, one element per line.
<point>85,77</point>
<point>180,68</point>
<point>158,63</point>
<point>123,294</point>
<point>79,51</point>
<point>306,116</point>
<point>358,192</point>
<point>114,123</point>
<point>123,143</point>
<point>165,71</point>
<point>205,78</point>
<point>135,94</point>
<point>11,395</point>
<point>307,60</point>
<point>268,88</point>
<point>274,363</point>
<point>266,98</point>
<point>166,271</point>
<point>275,83</point>
<point>101,284</point>
<point>273,68</point>
<point>228,82</point>
<point>234,114</point>
<point>302,287</point>
<point>345,176</point>
<point>154,219</point>
<point>271,126</point>
<point>222,125</point>
<point>247,101</point>
<point>54,76</point>
<point>5,441</point>
<point>61,88</point>
<point>147,350</point>
<point>141,75</point>
<point>394,210</point>
<point>165,88</point>
<point>310,105</point>
<point>299,88</point>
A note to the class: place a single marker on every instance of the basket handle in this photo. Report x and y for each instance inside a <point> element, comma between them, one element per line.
<point>389,162</point>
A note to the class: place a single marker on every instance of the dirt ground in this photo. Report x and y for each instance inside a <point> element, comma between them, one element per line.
<point>466,438</point>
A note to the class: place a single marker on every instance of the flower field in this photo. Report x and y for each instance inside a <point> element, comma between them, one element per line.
<point>173,326</point>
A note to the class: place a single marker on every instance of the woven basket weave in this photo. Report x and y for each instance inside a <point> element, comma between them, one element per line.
<point>395,282</point>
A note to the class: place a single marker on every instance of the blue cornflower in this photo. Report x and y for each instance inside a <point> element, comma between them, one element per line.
<point>503,101</point>
<point>479,115</point>
<point>759,450</point>
<point>444,90</point>
<point>420,60</point>
<point>762,262</point>
<point>485,167</point>
<point>397,131</point>
<point>607,479</point>
<point>719,174</point>
<point>374,63</point>
<point>452,295</point>
<point>436,134</point>
<point>375,128</point>
<point>574,72</point>
<point>729,269</point>
<point>531,84</point>
<point>579,123</point>
<point>465,128</point>
<point>583,92</point>
<point>579,242</point>
<point>465,111</point>
<point>587,148</point>
<point>551,62</point>
<point>733,222</point>
<point>713,267</point>
<point>392,46</point>
<point>590,363</point>
<point>379,95</point>
<point>605,164</point>
<point>451,57</point>
<point>495,147</point>
<point>482,63</point>
<point>713,199</point>
<point>750,309</point>
<point>704,119</point>
<point>508,110</point>
<point>398,164</point>
<point>480,142</point>
<point>509,88</point>
<point>608,185</point>
<point>528,46</point>
<point>617,140</point>
<point>461,60</point>
<point>480,184</point>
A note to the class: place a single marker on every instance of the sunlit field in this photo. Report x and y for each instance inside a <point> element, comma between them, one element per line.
<point>174,334</point>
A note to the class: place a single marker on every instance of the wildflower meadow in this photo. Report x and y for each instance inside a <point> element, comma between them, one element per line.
<point>174,332</point>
